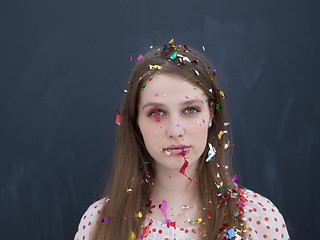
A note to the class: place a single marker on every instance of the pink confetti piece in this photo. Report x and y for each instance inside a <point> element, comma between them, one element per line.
<point>234,179</point>
<point>140,57</point>
<point>155,113</point>
<point>164,209</point>
<point>130,58</point>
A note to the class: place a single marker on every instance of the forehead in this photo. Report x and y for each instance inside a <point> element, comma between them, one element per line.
<point>165,87</point>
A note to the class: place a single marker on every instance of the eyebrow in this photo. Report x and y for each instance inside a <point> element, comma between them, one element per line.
<point>157,104</point>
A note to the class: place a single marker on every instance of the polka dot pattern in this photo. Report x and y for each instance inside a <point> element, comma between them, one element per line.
<point>263,218</point>
<point>88,220</point>
<point>264,221</point>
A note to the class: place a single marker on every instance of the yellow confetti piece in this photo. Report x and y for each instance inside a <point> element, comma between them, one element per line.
<point>199,220</point>
<point>218,175</point>
<point>132,236</point>
<point>155,66</point>
<point>140,215</point>
<point>171,41</point>
<point>222,94</point>
<point>221,133</point>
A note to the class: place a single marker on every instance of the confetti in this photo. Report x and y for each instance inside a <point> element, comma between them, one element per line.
<point>129,190</point>
<point>105,220</point>
<point>140,57</point>
<point>171,41</point>
<point>218,106</point>
<point>164,209</point>
<point>174,56</point>
<point>155,113</point>
<point>132,236</point>
<point>130,58</point>
<point>203,48</point>
<point>118,119</point>
<point>143,85</point>
<point>155,67</point>
<point>231,233</point>
<point>221,133</point>
<point>183,171</point>
<point>222,94</point>
<point>211,153</point>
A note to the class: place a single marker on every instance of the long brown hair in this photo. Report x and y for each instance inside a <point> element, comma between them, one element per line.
<point>130,181</point>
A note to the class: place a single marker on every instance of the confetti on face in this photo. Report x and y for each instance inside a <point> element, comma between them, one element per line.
<point>143,85</point>
<point>183,171</point>
<point>155,113</point>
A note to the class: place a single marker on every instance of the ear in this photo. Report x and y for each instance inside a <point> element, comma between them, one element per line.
<point>211,109</point>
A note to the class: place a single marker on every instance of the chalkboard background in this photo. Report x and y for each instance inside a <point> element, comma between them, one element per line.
<point>64,65</point>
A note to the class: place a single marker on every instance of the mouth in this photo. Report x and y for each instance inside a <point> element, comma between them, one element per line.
<point>176,149</point>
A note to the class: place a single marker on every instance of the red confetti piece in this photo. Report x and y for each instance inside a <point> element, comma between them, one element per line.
<point>155,113</point>
<point>118,119</point>
<point>183,169</point>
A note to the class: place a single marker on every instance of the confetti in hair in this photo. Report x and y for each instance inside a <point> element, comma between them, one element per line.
<point>118,119</point>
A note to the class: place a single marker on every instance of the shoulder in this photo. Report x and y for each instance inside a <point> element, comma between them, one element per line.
<point>263,218</point>
<point>89,219</point>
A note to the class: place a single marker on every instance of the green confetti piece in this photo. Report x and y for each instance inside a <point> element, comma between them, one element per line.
<point>143,85</point>
<point>218,106</point>
<point>174,56</point>
<point>146,162</point>
<point>222,187</point>
<point>195,88</point>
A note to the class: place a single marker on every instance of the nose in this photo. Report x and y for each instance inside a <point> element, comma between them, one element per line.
<point>175,129</point>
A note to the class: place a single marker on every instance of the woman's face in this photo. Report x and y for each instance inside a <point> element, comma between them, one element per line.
<point>173,115</point>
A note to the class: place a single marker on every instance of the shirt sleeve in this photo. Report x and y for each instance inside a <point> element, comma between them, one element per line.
<point>263,218</point>
<point>88,220</point>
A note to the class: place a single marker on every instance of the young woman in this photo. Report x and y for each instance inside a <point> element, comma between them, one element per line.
<point>171,176</point>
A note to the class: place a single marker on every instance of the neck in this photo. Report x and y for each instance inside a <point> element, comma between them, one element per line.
<point>174,187</point>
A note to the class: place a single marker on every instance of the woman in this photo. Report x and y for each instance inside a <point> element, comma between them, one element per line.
<point>171,177</point>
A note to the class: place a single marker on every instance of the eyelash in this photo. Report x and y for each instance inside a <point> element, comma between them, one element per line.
<point>195,110</point>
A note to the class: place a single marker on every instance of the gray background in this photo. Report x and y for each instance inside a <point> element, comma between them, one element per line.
<point>64,65</point>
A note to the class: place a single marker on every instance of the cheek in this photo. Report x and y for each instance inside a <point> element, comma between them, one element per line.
<point>150,132</point>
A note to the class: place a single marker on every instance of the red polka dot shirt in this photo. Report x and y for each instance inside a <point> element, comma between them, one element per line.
<point>264,221</point>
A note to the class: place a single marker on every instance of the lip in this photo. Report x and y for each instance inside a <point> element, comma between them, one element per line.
<point>176,149</point>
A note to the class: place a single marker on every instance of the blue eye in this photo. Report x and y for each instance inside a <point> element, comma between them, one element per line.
<point>191,110</point>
